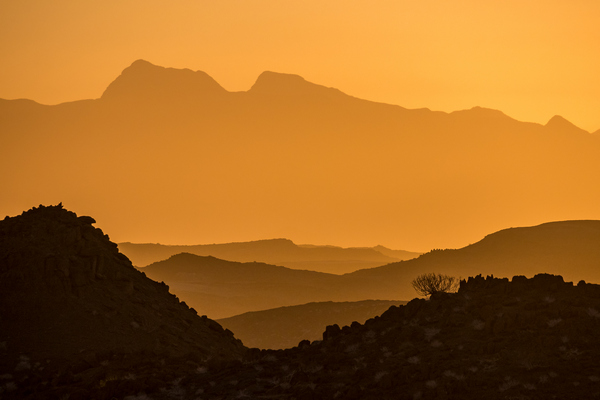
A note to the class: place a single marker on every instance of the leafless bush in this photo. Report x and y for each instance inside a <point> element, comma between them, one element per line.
<point>431,283</point>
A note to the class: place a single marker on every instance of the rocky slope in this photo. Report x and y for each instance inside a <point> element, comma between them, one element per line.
<point>69,299</point>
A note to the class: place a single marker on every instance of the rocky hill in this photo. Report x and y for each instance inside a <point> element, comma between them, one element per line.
<point>494,339</point>
<point>285,327</point>
<point>69,299</point>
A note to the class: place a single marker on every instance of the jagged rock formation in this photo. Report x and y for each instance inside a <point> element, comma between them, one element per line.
<point>69,298</point>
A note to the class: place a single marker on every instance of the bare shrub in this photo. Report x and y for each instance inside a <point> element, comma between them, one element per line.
<point>431,283</point>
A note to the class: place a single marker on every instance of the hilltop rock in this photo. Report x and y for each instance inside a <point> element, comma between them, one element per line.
<point>69,300</point>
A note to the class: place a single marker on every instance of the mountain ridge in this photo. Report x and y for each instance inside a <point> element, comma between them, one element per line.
<point>256,165</point>
<point>143,80</point>
<point>284,252</point>
<point>569,248</point>
<point>268,82</point>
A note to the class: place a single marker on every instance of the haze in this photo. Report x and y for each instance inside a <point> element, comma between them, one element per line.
<point>166,155</point>
<point>531,59</point>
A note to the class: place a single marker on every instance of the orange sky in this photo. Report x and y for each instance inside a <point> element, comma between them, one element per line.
<point>531,59</point>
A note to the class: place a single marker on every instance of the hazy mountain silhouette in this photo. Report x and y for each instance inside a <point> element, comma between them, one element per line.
<point>222,289</point>
<point>567,248</point>
<point>142,82</point>
<point>259,161</point>
<point>69,299</point>
<point>283,252</point>
<point>285,327</point>
<point>560,124</point>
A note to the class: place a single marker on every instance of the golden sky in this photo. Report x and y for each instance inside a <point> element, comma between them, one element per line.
<point>530,59</point>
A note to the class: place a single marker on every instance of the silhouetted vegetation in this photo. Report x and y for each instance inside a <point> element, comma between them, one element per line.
<point>432,283</point>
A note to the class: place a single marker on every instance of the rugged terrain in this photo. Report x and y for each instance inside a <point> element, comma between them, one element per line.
<point>79,322</point>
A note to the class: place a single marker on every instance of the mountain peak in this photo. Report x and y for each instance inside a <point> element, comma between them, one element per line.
<point>143,80</point>
<point>481,112</point>
<point>280,84</point>
<point>559,123</point>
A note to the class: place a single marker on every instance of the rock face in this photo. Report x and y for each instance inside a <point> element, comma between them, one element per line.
<point>68,296</point>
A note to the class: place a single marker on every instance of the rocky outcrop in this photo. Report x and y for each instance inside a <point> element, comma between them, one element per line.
<point>495,339</point>
<point>69,298</point>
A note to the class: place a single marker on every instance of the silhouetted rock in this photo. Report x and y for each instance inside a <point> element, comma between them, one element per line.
<point>69,301</point>
<point>494,339</point>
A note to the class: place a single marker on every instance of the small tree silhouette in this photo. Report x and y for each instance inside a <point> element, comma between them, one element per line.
<point>431,283</point>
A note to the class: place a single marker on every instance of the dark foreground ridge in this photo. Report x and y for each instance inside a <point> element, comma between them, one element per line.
<point>69,301</point>
<point>495,339</point>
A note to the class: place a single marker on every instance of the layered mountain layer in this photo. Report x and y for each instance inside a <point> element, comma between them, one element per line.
<point>223,289</point>
<point>330,259</point>
<point>170,156</point>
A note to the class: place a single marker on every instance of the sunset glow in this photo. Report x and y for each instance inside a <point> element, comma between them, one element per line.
<point>531,59</point>
<point>350,176</point>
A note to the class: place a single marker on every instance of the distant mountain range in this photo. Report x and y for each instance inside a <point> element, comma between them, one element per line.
<point>222,289</point>
<point>289,158</point>
<point>283,252</point>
